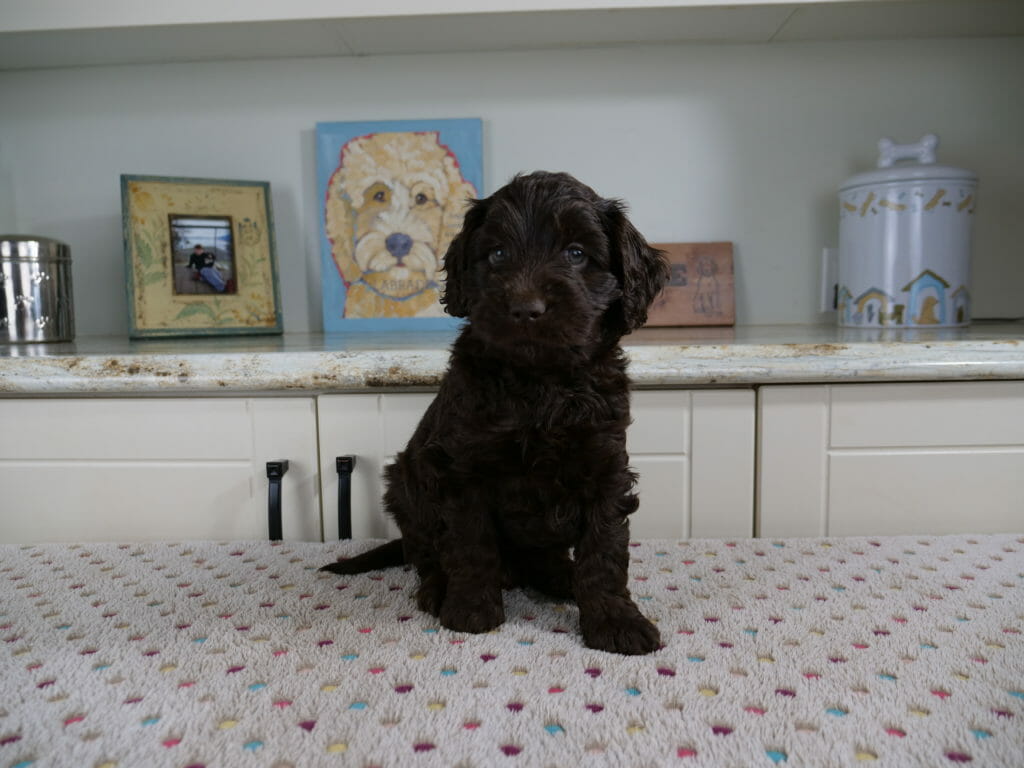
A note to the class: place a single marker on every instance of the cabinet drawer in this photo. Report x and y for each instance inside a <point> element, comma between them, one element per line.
<point>153,469</point>
<point>916,492</point>
<point>400,415</point>
<point>130,501</point>
<point>201,428</point>
<point>663,487</point>
<point>941,414</point>
<point>661,423</point>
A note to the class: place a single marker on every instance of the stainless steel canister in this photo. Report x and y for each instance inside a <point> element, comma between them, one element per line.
<point>35,290</point>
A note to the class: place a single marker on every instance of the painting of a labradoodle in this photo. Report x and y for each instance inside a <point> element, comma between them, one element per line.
<point>392,205</point>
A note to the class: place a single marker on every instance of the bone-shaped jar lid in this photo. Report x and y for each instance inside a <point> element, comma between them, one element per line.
<point>899,163</point>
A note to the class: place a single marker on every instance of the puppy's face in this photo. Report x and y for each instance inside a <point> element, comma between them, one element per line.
<point>542,269</point>
<point>547,263</point>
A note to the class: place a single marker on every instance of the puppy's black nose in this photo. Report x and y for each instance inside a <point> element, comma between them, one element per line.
<point>398,244</point>
<point>528,310</point>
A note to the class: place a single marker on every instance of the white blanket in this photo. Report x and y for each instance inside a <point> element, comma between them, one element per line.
<point>908,651</point>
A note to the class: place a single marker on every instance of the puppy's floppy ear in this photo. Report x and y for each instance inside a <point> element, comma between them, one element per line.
<point>457,295</point>
<point>642,270</point>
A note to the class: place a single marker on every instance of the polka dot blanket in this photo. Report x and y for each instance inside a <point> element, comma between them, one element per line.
<point>905,651</point>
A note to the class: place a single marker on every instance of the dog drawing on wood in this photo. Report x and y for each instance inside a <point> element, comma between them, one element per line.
<point>517,475</point>
<point>393,205</point>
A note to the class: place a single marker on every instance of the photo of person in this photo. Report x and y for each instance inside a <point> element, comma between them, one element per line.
<point>203,254</point>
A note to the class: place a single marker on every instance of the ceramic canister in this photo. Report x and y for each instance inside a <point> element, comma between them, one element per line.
<point>905,241</point>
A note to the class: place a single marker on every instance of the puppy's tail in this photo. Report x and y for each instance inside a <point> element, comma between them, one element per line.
<point>384,556</point>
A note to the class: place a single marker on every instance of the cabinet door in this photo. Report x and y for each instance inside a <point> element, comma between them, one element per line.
<point>694,452</point>
<point>154,468</point>
<point>876,459</point>
<point>373,428</point>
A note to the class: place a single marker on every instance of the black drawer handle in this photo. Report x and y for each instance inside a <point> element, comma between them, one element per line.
<point>275,471</point>
<point>345,465</point>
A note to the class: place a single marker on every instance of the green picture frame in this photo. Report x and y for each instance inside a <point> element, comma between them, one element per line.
<point>200,257</point>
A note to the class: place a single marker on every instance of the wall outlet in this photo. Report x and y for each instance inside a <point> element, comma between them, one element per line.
<point>829,279</point>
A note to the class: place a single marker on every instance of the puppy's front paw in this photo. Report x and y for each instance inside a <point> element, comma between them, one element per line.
<point>630,633</point>
<point>430,595</point>
<point>481,615</point>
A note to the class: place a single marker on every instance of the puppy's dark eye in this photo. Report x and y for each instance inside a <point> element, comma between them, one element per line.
<point>421,199</point>
<point>496,256</point>
<point>380,196</point>
<point>576,255</point>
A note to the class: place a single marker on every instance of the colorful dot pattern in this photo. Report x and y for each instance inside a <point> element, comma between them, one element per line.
<point>903,651</point>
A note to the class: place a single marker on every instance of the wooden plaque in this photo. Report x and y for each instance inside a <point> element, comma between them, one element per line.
<point>700,289</point>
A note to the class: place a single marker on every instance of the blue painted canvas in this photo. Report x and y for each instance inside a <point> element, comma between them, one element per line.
<point>393,194</point>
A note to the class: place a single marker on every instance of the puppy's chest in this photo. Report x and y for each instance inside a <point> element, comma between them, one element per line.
<point>562,425</point>
<point>532,452</point>
<point>541,460</point>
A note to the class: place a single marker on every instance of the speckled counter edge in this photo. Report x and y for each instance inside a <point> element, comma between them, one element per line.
<point>652,365</point>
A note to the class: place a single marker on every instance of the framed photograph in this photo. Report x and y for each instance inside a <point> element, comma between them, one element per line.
<point>199,257</point>
<point>394,194</point>
<point>700,289</point>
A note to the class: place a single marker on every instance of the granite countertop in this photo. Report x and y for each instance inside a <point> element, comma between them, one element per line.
<point>659,357</point>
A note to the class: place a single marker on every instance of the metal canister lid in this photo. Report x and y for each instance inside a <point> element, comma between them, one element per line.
<point>33,248</point>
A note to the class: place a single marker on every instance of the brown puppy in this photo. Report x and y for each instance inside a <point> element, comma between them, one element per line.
<point>518,473</point>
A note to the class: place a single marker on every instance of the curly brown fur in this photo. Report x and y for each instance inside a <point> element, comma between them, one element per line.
<point>518,473</point>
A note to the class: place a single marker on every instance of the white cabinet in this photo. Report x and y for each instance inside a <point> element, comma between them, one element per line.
<point>875,459</point>
<point>154,468</point>
<point>844,459</point>
<point>373,428</point>
<point>692,449</point>
<point>88,469</point>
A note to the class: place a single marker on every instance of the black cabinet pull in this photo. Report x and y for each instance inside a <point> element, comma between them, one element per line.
<point>275,471</point>
<point>345,465</point>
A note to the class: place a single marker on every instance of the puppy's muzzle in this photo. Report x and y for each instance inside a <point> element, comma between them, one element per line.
<point>528,309</point>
